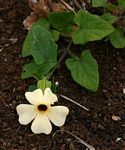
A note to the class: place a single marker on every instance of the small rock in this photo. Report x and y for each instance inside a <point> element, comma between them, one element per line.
<point>1,49</point>
<point>114,68</point>
<point>123,90</point>
<point>104,91</point>
<point>116,118</point>
<point>118,139</point>
<point>13,40</point>
<point>1,20</point>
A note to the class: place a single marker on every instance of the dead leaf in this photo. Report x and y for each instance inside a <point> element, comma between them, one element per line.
<point>56,7</point>
<point>41,7</point>
<point>68,6</point>
<point>28,22</point>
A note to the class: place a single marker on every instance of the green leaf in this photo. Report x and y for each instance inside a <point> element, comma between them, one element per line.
<point>26,51</point>
<point>43,84</point>
<point>55,35</point>
<point>99,3</point>
<point>117,38</point>
<point>121,3</point>
<point>44,48</point>
<point>40,44</point>
<point>43,23</point>
<point>109,18</point>
<point>27,43</point>
<point>36,71</point>
<point>90,28</point>
<point>84,71</point>
<point>110,7</point>
<point>62,21</point>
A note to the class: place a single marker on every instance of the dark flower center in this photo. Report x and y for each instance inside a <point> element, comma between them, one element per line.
<point>42,107</point>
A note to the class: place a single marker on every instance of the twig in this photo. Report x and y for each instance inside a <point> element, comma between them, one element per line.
<point>69,99</point>
<point>77,4</point>
<point>68,6</point>
<point>79,140</point>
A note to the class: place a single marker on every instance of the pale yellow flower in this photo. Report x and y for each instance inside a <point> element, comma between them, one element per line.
<point>41,111</point>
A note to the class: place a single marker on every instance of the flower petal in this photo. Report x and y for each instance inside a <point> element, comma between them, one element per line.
<point>41,124</point>
<point>49,97</point>
<point>26,113</point>
<point>34,97</point>
<point>58,114</point>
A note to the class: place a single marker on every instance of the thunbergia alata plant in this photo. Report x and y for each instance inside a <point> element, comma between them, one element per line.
<point>47,23</point>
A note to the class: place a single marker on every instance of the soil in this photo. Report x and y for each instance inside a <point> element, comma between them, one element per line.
<point>96,126</point>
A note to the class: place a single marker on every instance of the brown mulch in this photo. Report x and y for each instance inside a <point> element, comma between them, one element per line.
<point>96,127</point>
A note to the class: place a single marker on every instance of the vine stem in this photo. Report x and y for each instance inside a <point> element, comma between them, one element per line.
<point>66,50</point>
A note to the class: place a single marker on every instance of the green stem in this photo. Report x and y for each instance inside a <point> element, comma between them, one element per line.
<point>72,54</point>
<point>60,60</point>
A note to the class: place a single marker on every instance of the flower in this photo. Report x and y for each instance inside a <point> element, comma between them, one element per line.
<point>41,111</point>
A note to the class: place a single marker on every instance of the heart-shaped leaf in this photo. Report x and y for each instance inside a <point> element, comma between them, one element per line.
<point>40,44</point>
<point>62,21</point>
<point>36,71</point>
<point>90,27</point>
<point>109,18</point>
<point>117,38</point>
<point>84,70</point>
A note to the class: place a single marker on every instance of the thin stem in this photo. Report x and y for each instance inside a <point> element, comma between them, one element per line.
<point>72,54</point>
<point>60,59</point>
<point>77,4</point>
<point>58,63</point>
<point>35,77</point>
<point>79,140</point>
<point>60,51</point>
<point>69,99</point>
<point>68,6</point>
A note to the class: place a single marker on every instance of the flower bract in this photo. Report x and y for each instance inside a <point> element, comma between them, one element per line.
<point>41,112</point>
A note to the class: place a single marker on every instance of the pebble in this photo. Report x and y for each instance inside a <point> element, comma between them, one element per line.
<point>118,139</point>
<point>1,49</point>
<point>104,91</point>
<point>1,20</point>
<point>116,118</point>
<point>123,90</point>
<point>13,40</point>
